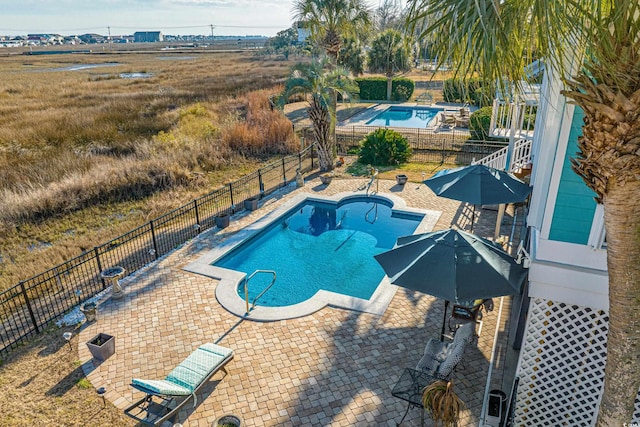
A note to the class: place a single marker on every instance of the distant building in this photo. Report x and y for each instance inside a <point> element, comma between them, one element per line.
<point>45,38</point>
<point>147,36</point>
<point>92,38</point>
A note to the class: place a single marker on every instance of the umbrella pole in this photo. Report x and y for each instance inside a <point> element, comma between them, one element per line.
<point>444,319</point>
<point>501,210</point>
<point>473,217</point>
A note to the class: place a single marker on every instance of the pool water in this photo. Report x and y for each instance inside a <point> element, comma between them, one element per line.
<point>408,117</point>
<point>321,245</point>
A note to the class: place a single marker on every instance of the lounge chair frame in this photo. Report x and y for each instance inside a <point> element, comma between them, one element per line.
<point>145,410</point>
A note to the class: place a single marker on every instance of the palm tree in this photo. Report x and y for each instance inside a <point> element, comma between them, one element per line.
<point>319,84</point>
<point>495,40</point>
<point>389,55</point>
<point>330,21</point>
<point>352,56</point>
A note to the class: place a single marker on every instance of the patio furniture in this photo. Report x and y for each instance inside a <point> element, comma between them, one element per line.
<point>409,388</point>
<point>437,363</point>
<point>441,358</point>
<point>447,120</point>
<point>182,384</point>
<point>469,312</point>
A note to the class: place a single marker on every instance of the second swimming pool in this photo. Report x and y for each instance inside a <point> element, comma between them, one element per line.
<point>410,117</point>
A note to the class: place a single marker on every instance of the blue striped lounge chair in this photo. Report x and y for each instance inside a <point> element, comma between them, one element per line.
<point>180,386</point>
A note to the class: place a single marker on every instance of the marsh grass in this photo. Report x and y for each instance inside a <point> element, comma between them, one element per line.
<point>74,142</point>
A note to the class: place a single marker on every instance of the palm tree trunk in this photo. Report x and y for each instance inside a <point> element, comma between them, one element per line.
<point>389,87</point>
<point>622,371</point>
<point>321,119</point>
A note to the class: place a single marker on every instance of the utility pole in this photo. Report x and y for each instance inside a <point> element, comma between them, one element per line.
<point>109,37</point>
<point>212,27</point>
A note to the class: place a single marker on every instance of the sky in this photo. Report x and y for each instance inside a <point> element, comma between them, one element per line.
<point>74,17</point>
<point>121,17</point>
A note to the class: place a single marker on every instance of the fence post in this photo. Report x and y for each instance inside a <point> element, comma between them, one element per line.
<point>97,255</point>
<point>26,299</point>
<point>233,205</point>
<point>260,183</point>
<point>284,173</point>
<point>153,238</point>
<point>195,207</point>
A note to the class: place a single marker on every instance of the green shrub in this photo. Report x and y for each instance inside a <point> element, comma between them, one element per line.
<point>375,88</point>
<point>479,123</point>
<point>372,88</point>
<point>384,147</point>
<point>401,89</point>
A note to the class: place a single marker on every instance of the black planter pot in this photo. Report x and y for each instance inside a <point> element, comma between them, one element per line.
<point>251,204</point>
<point>102,346</point>
<point>325,179</point>
<point>227,420</point>
<point>222,220</point>
<point>401,179</point>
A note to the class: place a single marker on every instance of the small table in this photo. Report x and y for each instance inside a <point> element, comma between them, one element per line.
<point>409,388</point>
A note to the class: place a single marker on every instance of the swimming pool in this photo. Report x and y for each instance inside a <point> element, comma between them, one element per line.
<point>321,245</point>
<point>409,117</point>
<point>333,230</point>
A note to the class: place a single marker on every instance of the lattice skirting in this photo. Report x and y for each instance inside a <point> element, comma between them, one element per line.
<point>561,367</point>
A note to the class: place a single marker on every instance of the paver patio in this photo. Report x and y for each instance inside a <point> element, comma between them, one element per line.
<point>333,368</point>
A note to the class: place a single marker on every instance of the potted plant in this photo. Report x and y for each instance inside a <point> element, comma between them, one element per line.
<point>227,421</point>
<point>90,311</point>
<point>102,346</point>
<point>401,179</point>
<point>442,403</point>
<point>222,220</point>
<point>251,204</point>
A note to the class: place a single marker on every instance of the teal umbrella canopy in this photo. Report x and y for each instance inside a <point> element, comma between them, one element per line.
<point>479,185</point>
<point>452,265</point>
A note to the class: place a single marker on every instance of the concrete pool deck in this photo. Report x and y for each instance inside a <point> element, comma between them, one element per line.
<point>335,367</point>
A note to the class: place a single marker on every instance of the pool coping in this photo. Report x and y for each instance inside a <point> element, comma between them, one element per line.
<point>229,280</point>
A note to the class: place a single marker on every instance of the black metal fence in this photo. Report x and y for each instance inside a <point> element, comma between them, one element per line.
<point>448,145</point>
<point>27,308</point>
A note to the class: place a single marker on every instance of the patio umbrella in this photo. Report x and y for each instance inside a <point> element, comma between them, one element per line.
<point>479,185</point>
<point>452,265</point>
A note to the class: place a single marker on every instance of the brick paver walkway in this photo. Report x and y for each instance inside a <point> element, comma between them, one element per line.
<point>333,368</point>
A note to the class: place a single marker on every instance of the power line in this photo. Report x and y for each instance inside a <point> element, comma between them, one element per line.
<point>20,30</point>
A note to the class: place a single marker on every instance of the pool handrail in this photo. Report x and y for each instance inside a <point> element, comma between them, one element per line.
<point>246,288</point>
<point>374,175</point>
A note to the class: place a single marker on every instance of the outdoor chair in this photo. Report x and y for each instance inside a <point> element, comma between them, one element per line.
<point>469,313</point>
<point>182,384</point>
<point>441,358</point>
<point>447,119</point>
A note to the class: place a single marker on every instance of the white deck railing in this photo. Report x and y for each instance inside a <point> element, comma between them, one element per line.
<point>513,117</point>
<point>520,157</point>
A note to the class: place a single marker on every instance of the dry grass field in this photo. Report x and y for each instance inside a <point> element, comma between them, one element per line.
<point>87,152</point>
